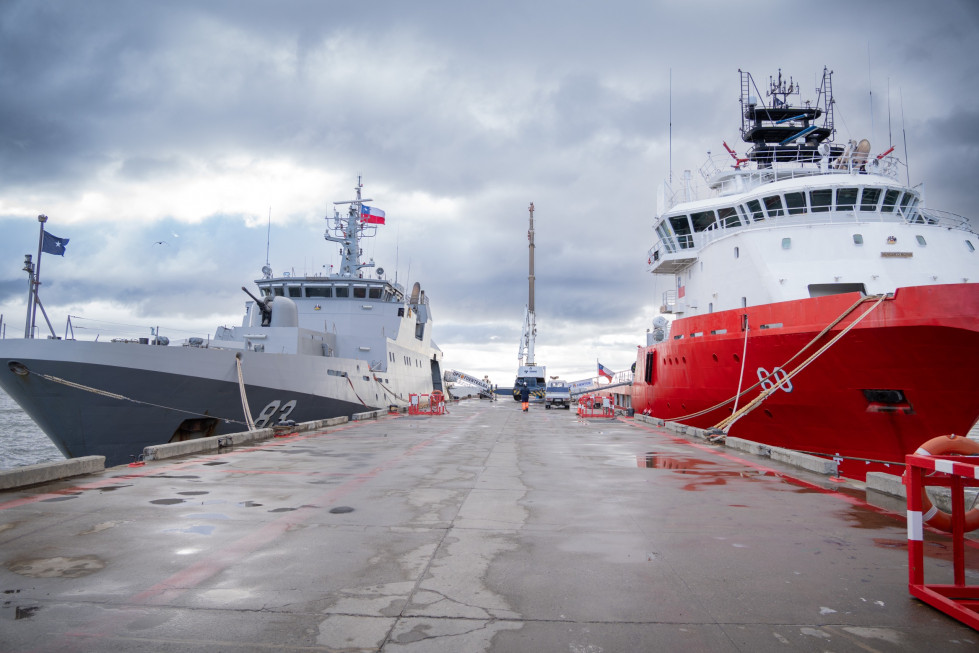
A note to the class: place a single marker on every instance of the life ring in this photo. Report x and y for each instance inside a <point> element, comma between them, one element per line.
<point>945,445</point>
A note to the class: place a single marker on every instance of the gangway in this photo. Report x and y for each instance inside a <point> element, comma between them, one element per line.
<point>584,386</point>
<point>485,387</point>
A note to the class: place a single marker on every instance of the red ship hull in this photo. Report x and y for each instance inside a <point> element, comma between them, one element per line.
<point>907,372</point>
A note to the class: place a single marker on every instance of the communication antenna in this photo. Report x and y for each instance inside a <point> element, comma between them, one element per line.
<point>890,138</point>
<point>907,164</point>
<point>671,127</point>
<point>870,88</point>
<point>268,237</point>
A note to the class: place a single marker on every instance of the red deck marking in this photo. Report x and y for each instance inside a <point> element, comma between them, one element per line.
<point>187,579</point>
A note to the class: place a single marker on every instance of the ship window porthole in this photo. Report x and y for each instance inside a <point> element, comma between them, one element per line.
<point>921,240</point>
<point>858,239</point>
<point>714,356</point>
<point>737,359</point>
<point>969,244</point>
<point>786,243</point>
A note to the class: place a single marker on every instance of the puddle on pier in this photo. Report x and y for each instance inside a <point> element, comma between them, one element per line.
<point>64,496</point>
<point>707,473</point>
<point>60,567</point>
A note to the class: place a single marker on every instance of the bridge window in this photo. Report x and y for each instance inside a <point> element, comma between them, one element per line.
<point>319,291</point>
<point>728,217</point>
<point>279,292</point>
<point>773,205</point>
<point>754,206</point>
<point>906,205</point>
<point>343,291</point>
<point>786,243</point>
<point>921,240</point>
<point>858,239</point>
<point>374,293</point>
<point>360,292</point>
<point>821,200</point>
<point>295,291</point>
<point>664,234</point>
<point>846,198</point>
<point>702,221</point>
<point>796,203</point>
<point>890,200</point>
<point>869,199</point>
<point>681,227</point>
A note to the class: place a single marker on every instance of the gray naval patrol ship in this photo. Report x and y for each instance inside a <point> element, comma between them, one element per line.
<point>309,347</point>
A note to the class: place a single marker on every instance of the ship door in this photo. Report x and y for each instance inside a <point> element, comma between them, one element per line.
<point>650,370</point>
<point>436,375</point>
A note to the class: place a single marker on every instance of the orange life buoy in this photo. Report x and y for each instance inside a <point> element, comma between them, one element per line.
<point>945,445</point>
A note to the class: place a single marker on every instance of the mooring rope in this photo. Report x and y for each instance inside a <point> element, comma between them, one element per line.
<point>828,327</point>
<point>385,388</point>
<point>244,399</point>
<point>112,395</point>
<point>354,390</point>
<point>764,394</point>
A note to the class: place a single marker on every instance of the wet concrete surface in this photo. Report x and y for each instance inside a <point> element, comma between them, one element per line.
<point>487,529</point>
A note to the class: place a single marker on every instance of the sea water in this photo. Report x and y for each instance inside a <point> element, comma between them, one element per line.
<point>21,441</point>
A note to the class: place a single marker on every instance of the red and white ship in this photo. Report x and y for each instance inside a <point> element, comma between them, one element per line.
<point>818,304</point>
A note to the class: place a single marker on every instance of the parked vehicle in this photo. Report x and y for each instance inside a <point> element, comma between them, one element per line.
<point>557,393</point>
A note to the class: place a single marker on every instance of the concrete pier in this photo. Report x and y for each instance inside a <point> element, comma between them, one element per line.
<point>486,529</point>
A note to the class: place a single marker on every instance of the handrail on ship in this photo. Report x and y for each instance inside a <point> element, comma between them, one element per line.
<point>718,166</point>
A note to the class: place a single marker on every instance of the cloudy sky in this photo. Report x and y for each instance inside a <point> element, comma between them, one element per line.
<point>129,123</point>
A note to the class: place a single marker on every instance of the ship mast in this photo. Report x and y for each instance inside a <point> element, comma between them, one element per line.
<point>348,231</point>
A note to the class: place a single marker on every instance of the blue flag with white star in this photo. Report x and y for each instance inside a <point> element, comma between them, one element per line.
<point>53,245</point>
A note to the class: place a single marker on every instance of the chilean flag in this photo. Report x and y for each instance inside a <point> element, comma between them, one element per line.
<point>604,371</point>
<point>370,215</point>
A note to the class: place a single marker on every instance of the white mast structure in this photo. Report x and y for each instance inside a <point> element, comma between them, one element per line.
<point>529,323</point>
<point>528,371</point>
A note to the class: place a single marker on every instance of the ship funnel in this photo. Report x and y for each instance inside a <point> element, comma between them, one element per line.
<point>415,291</point>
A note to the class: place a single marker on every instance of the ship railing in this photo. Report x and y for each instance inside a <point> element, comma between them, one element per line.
<point>720,177</point>
<point>684,246</point>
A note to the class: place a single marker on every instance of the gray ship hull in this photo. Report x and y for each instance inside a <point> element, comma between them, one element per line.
<point>171,393</point>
